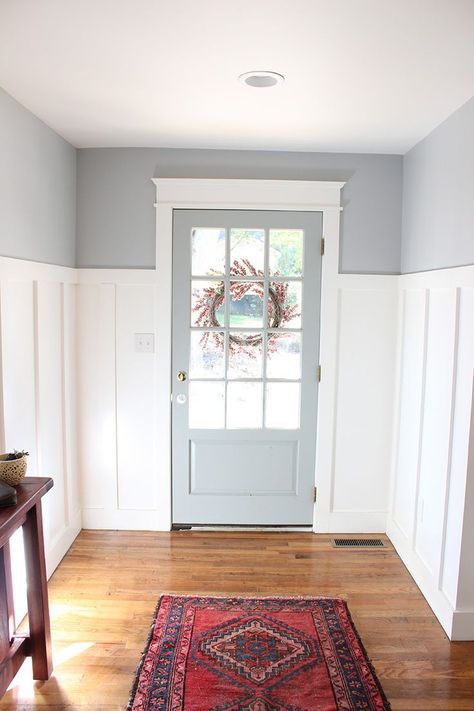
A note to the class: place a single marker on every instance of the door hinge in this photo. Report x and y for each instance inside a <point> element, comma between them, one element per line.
<point>318,373</point>
<point>315,493</point>
<point>322,246</point>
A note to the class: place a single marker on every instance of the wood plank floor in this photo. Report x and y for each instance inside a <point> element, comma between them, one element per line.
<point>103,595</point>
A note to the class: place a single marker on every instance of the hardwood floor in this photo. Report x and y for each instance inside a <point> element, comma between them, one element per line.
<point>103,595</point>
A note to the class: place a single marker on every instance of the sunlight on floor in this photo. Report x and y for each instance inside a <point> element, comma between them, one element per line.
<point>27,694</point>
<point>69,652</point>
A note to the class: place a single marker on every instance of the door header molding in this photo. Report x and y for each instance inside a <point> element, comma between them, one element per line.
<point>215,193</point>
<point>231,194</point>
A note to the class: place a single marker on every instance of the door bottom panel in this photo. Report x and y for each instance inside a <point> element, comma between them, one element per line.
<point>261,468</point>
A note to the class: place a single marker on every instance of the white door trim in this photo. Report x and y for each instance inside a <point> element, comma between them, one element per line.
<point>316,196</point>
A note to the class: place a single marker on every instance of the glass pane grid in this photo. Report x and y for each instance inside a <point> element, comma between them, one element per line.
<point>254,381</point>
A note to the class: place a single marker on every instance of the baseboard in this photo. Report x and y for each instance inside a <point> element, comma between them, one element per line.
<point>463,626</point>
<point>59,546</point>
<point>124,520</point>
<point>435,597</point>
<point>351,522</point>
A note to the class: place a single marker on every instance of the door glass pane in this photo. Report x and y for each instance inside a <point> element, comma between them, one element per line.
<point>208,251</point>
<point>207,303</point>
<point>231,298</point>
<point>244,405</point>
<point>245,355</point>
<point>247,252</point>
<point>207,354</point>
<point>284,304</point>
<point>206,405</point>
<point>282,406</point>
<point>286,252</point>
<point>284,356</point>
<point>246,304</point>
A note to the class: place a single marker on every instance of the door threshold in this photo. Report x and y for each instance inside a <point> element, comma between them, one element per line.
<point>250,528</point>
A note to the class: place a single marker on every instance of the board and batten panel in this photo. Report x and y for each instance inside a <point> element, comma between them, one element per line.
<point>463,383</point>
<point>136,399</point>
<point>117,400</point>
<point>97,438</point>
<point>70,400</point>
<point>436,429</point>
<point>38,328</point>
<point>49,406</point>
<point>55,411</point>
<point>412,353</point>
<point>19,400</point>
<point>434,437</point>
<point>18,368</point>
<point>364,403</point>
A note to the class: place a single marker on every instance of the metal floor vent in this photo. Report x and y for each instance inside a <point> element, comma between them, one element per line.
<point>357,543</point>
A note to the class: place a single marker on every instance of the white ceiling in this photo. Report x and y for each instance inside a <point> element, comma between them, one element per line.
<point>361,75</point>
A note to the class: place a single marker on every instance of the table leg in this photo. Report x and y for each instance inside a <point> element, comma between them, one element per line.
<point>37,594</point>
<point>7,567</point>
<point>5,635</point>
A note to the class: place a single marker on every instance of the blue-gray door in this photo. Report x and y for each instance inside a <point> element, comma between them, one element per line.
<point>246,303</point>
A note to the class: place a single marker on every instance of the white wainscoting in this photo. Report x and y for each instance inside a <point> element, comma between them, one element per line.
<point>82,400</point>
<point>125,479</point>
<point>38,392</point>
<point>117,396</point>
<point>432,437</point>
<point>354,497</point>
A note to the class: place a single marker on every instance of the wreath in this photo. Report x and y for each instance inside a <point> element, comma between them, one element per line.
<point>278,310</point>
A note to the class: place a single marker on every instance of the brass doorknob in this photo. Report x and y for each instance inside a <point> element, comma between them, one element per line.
<point>181,376</point>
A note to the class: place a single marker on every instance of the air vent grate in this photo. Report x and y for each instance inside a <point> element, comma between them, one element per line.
<point>358,543</point>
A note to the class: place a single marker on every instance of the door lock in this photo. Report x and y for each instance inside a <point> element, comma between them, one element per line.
<point>181,376</point>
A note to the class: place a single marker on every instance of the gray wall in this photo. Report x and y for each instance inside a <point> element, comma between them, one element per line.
<point>37,188</point>
<point>438,196</point>
<point>116,218</point>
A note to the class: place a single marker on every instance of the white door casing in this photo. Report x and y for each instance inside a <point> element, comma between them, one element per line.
<point>211,194</point>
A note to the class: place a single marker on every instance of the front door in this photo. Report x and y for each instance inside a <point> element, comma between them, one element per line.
<point>246,302</point>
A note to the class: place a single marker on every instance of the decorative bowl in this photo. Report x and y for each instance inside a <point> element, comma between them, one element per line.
<point>12,471</point>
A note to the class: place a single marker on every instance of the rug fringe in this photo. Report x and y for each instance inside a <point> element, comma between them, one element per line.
<point>368,659</point>
<point>133,690</point>
<point>254,596</point>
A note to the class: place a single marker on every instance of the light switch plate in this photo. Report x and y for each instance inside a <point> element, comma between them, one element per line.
<point>144,343</point>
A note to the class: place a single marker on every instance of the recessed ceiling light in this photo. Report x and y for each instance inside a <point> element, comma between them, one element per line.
<point>261,79</point>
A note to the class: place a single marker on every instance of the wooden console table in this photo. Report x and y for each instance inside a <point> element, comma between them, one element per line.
<point>37,644</point>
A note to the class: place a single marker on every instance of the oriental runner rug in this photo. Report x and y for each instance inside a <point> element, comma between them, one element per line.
<point>247,654</point>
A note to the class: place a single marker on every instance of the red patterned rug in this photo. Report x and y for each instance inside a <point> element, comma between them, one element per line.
<point>247,654</point>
